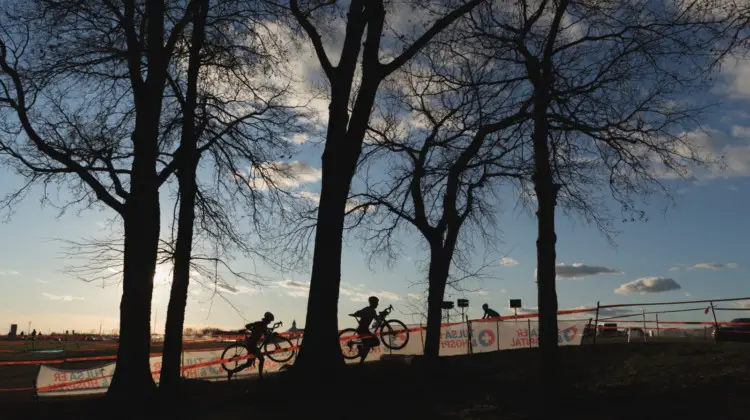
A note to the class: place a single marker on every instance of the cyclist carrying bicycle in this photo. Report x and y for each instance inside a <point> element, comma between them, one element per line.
<point>257,330</point>
<point>366,315</point>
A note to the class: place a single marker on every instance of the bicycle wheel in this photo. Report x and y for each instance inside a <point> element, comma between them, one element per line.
<point>234,351</point>
<point>394,334</point>
<point>274,352</point>
<point>350,343</point>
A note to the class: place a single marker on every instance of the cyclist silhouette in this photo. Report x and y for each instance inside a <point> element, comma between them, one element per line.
<point>489,313</point>
<point>366,315</point>
<point>257,329</point>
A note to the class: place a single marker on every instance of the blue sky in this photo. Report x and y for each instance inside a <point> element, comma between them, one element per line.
<point>701,245</point>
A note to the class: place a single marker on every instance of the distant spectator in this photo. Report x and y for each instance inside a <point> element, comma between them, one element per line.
<point>488,312</point>
<point>33,335</point>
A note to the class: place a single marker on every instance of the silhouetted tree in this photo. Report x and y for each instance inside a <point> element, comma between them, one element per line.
<point>450,134</point>
<point>231,130</point>
<point>82,90</point>
<point>345,133</point>
<point>609,83</point>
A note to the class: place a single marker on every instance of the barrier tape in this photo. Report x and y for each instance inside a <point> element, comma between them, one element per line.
<point>622,305</point>
<point>89,358</point>
<point>211,362</point>
<point>653,321</point>
<point>182,368</point>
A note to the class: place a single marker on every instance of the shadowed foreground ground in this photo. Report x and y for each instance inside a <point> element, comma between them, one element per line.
<point>615,381</point>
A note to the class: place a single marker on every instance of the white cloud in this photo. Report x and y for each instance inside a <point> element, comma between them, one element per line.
<point>674,269</point>
<point>415,296</point>
<point>741,131</point>
<point>579,271</point>
<point>300,138</point>
<point>356,294</point>
<point>708,266</point>
<point>295,288</point>
<point>314,197</point>
<point>9,273</point>
<point>481,292</point>
<point>66,298</point>
<point>286,175</point>
<point>508,261</point>
<point>648,285</point>
<point>688,294</point>
<point>43,281</point>
<point>232,290</point>
<point>736,72</point>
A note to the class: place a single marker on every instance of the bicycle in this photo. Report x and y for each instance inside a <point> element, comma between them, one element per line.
<point>271,344</point>
<point>391,331</point>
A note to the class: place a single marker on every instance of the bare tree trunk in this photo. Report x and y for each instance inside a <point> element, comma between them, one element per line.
<point>437,277</point>
<point>186,175</point>
<point>321,350</point>
<point>546,191</point>
<point>320,347</point>
<point>132,379</point>
<point>170,373</point>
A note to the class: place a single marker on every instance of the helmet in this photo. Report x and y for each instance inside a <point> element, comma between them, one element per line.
<point>373,300</point>
<point>268,316</point>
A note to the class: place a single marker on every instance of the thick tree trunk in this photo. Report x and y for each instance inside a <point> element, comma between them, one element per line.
<point>132,379</point>
<point>437,279</point>
<point>546,287</point>
<point>320,351</point>
<point>546,191</point>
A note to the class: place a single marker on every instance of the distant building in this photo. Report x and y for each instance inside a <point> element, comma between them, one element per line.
<point>294,328</point>
<point>13,330</point>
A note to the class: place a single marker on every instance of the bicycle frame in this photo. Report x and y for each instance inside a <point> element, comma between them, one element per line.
<point>269,332</point>
<point>380,319</point>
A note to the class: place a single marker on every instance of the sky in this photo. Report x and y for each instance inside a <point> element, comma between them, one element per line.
<point>696,250</point>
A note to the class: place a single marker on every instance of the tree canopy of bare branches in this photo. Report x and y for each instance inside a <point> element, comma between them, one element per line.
<point>354,81</point>
<point>609,84</point>
<point>450,133</point>
<point>93,97</point>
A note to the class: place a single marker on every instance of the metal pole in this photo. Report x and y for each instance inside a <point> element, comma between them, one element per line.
<point>421,336</point>
<point>497,336</point>
<point>530,346</point>
<point>657,325</point>
<point>516,316</point>
<point>596,323</point>
<point>716,323</point>
<point>644,324</point>
<point>469,334</point>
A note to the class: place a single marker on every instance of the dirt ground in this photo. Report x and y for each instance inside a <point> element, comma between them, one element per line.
<point>608,381</point>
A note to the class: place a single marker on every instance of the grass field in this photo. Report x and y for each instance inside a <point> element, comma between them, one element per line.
<point>684,380</point>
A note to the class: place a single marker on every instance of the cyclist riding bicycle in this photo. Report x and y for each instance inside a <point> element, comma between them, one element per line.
<point>366,315</point>
<point>257,329</point>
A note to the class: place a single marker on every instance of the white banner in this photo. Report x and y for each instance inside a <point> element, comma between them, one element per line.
<point>514,335</point>
<point>454,340</point>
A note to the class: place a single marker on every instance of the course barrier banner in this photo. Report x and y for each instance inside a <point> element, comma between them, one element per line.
<point>455,339</point>
<point>518,335</point>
